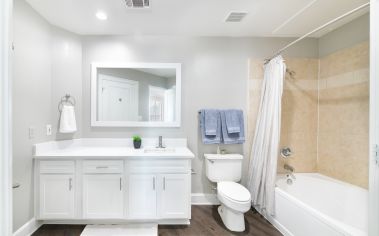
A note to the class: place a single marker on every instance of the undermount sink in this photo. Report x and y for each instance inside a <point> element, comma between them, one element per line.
<point>159,150</point>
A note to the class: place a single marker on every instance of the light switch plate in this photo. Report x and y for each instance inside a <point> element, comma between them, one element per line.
<point>48,129</point>
<point>31,132</point>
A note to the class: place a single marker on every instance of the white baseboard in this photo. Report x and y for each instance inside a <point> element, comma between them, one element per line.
<point>28,228</point>
<point>204,199</point>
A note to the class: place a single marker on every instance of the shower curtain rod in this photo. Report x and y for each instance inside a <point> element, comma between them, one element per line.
<point>317,29</point>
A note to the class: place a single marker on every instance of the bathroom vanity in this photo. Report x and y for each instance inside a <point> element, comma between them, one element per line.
<point>107,180</point>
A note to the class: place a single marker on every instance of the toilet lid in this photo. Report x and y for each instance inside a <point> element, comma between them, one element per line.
<point>234,191</point>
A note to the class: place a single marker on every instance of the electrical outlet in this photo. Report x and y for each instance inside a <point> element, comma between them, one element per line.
<point>31,132</point>
<point>48,129</point>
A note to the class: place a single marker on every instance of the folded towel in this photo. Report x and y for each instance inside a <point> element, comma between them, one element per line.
<point>211,117</point>
<point>67,122</point>
<point>232,138</point>
<point>232,120</point>
<point>210,139</point>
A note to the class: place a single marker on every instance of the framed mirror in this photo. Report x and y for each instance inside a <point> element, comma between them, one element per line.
<point>135,94</point>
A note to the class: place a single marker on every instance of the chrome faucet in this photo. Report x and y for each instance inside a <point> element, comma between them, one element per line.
<point>160,143</point>
<point>290,170</point>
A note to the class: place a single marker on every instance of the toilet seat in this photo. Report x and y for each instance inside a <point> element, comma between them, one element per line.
<point>234,195</point>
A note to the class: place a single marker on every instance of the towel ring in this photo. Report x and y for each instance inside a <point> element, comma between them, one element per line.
<point>67,99</point>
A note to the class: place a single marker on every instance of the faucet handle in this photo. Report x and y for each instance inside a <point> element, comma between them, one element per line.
<point>160,142</point>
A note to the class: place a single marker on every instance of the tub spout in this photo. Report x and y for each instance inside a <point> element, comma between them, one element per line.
<point>290,171</point>
<point>289,168</point>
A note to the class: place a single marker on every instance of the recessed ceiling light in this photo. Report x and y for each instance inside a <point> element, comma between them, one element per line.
<point>101,15</point>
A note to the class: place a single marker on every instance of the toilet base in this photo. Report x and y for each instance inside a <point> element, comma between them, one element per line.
<point>233,220</point>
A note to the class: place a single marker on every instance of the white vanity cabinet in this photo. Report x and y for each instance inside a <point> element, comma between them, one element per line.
<point>141,189</point>
<point>159,189</point>
<point>103,190</point>
<point>56,190</point>
<point>162,196</point>
<point>106,181</point>
<point>174,197</point>
<point>142,197</point>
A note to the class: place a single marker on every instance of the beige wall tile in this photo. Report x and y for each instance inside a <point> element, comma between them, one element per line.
<point>343,115</point>
<point>324,120</point>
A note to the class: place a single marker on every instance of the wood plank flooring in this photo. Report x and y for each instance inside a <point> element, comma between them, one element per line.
<point>205,221</point>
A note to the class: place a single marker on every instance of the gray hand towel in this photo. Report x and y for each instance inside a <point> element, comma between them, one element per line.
<point>232,138</point>
<point>232,119</point>
<point>211,118</point>
<point>210,139</point>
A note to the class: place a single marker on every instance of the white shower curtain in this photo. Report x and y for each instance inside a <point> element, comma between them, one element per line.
<point>264,153</point>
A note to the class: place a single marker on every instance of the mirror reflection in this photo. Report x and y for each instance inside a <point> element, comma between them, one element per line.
<point>136,94</point>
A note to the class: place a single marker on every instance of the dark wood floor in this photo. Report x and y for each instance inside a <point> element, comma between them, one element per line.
<point>205,221</point>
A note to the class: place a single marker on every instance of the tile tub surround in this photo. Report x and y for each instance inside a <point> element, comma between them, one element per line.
<point>299,111</point>
<point>329,133</point>
<point>344,115</point>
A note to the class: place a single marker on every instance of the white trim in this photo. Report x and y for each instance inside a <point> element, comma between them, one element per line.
<point>374,122</point>
<point>5,118</point>
<point>204,199</point>
<point>97,123</point>
<point>276,224</point>
<point>28,228</point>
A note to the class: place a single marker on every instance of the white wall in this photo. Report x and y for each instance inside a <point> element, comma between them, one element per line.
<point>46,65</point>
<point>346,36</point>
<point>66,76</point>
<point>214,75</point>
<point>31,101</point>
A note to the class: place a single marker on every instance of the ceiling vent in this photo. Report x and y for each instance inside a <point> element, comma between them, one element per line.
<point>137,4</point>
<point>235,16</point>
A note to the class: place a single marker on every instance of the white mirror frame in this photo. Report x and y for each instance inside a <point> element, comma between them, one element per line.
<point>97,123</point>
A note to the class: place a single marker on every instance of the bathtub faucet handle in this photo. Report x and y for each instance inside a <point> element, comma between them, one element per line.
<point>289,168</point>
<point>285,152</point>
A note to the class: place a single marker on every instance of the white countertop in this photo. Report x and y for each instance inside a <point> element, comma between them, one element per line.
<point>122,148</point>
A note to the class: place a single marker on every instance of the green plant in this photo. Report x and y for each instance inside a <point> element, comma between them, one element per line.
<point>136,138</point>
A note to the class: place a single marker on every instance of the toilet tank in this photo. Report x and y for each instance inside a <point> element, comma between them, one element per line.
<point>223,167</point>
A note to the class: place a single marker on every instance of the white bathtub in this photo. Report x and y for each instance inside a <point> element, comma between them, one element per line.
<point>316,205</point>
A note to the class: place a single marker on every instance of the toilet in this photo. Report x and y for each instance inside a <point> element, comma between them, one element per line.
<point>225,170</point>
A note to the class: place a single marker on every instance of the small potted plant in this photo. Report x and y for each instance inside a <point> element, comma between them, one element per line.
<point>137,141</point>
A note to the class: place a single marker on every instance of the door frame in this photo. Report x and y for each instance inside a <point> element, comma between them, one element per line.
<point>374,120</point>
<point>6,7</point>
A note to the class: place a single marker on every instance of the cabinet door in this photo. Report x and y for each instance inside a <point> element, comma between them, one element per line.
<point>174,196</point>
<point>103,196</point>
<point>142,196</point>
<point>56,196</point>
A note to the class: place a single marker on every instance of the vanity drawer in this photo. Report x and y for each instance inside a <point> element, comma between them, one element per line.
<point>102,166</point>
<point>158,166</point>
<point>56,167</point>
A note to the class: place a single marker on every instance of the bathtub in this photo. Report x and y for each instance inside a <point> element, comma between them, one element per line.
<point>316,205</point>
